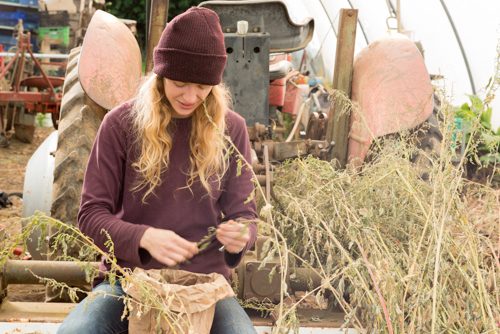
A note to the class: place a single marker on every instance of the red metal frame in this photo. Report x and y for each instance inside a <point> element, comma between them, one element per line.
<point>45,100</point>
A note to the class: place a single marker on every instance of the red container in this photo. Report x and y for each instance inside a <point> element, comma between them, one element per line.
<point>277,92</point>
<point>294,97</point>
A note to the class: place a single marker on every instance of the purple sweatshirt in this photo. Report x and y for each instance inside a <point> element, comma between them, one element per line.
<point>108,203</point>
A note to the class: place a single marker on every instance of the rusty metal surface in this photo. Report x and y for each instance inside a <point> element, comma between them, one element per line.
<point>110,61</point>
<point>41,83</point>
<point>316,127</point>
<point>42,72</point>
<point>27,97</point>
<point>23,272</point>
<point>46,99</point>
<point>260,282</point>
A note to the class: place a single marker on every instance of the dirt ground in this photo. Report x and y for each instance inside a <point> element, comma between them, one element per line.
<point>13,161</point>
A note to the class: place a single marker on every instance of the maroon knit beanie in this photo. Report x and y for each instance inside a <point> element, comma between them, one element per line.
<point>191,48</point>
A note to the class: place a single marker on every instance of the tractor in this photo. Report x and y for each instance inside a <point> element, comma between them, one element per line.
<point>286,116</point>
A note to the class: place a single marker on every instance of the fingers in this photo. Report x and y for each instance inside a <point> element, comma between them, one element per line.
<point>172,255</point>
<point>179,253</point>
<point>179,250</point>
<point>185,245</point>
<point>170,259</point>
<point>234,236</point>
<point>232,246</point>
<point>167,247</point>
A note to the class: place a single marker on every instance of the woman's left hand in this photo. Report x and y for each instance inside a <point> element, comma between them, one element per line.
<point>233,235</point>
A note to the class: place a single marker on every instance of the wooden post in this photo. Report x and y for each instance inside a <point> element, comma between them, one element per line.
<point>157,19</point>
<point>337,130</point>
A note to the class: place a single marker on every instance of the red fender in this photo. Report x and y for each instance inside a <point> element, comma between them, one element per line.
<point>110,61</point>
<point>393,90</point>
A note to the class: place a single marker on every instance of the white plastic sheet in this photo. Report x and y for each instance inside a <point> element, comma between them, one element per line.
<point>477,25</point>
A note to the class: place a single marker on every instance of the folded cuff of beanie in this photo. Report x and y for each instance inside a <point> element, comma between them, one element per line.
<point>185,66</point>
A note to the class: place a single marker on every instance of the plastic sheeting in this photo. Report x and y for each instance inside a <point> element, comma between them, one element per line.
<point>460,39</point>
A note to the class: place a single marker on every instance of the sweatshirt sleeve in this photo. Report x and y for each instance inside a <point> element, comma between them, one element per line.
<point>237,200</point>
<point>102,192</point>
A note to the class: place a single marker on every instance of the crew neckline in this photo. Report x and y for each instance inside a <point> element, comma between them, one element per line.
<point>182,119</point>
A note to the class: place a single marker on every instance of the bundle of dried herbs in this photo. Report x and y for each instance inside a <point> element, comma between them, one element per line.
<point>398,253</point>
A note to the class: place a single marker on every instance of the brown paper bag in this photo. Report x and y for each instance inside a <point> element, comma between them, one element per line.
<point>189,298</point>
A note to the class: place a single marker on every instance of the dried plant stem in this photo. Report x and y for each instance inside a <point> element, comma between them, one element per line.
<point>377,289</point>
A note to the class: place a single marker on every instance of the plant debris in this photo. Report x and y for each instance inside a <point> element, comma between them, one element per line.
<point>398,254</point>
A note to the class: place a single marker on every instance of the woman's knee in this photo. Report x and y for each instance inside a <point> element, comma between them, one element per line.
<point>98,313</point>
<point>230,318</point>
<point>94,323</point>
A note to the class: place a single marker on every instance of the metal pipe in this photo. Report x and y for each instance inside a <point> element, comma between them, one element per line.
<point>360,25</point>
<point>23,272</point>
<point>36,55</point>
<point>10,63</point>
<point>398,16</point>
<point>42,72</point>
<point>19,69</point>
<point>462,50</point>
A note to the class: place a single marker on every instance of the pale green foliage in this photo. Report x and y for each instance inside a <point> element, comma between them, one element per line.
<point>239,166</point>
<point>407,252</point>
<point>64,244</point>
<point>483,149</point>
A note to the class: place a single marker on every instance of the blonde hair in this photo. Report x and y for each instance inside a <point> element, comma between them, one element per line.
<point>152,114</point>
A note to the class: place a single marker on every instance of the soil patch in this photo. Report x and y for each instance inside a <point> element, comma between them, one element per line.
<point>13,161</point>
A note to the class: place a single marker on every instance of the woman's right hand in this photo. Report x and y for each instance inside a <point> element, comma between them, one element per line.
<point>167,247</point>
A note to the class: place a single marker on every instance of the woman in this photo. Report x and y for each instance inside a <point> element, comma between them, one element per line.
<point>162,172</point>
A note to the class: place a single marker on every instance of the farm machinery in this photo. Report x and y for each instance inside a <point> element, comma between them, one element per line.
<point>30,83</point>
<point>26,89</point>
<point>388,81</point>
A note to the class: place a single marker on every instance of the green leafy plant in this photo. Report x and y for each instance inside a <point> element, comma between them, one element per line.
<point>484,141</point>
<point>39,118</point>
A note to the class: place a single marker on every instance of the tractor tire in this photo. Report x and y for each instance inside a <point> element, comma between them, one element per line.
<point>79,121</point>
<point>428,142</point>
